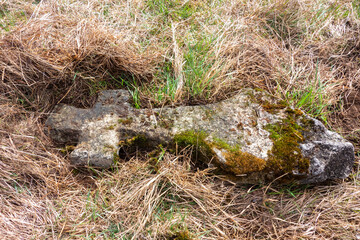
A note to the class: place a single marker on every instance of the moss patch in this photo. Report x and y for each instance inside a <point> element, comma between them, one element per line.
<point>243,162</point>
<point>237,162</point>
<point>197,139</point>
<point>286,156</point>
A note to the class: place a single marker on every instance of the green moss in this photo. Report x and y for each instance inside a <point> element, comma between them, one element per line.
<point>219,143</point>
<point>237,162</point>
<point>182,235</point>
<point>190,137</point>
<point>155,158</point>
<point>243,162</point>
<point>259,89</point>
<point>307,123</point>
<point>196,139</point>
<point>295,111</point>
<point>286,156</point>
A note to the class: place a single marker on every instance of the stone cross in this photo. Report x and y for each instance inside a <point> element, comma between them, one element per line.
<point>250,136</point>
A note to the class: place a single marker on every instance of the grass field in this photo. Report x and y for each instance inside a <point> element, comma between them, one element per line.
<point>170,53</point>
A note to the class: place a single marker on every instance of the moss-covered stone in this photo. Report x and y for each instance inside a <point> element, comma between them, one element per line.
<point>295,111</point>
<point>251,135</point>
<point>237,161</point>
<point>240,163</point>
<point>196,139</point>
<point>286,156</point>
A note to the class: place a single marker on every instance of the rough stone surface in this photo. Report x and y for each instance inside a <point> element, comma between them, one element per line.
<point>244,136</point>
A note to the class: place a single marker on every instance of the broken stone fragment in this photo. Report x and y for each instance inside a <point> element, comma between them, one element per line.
<point>250,136</point>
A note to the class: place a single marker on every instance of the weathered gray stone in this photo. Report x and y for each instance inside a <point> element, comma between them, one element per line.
<point>250,136</point>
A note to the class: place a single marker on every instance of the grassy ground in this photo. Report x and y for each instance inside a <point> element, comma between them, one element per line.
<point>171,52</point>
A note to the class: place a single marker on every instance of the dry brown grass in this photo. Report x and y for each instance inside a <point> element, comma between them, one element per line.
<point>51,59</point>
<point>67,51</point>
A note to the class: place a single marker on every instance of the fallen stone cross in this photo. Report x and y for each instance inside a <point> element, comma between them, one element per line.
<point>251,136</point>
